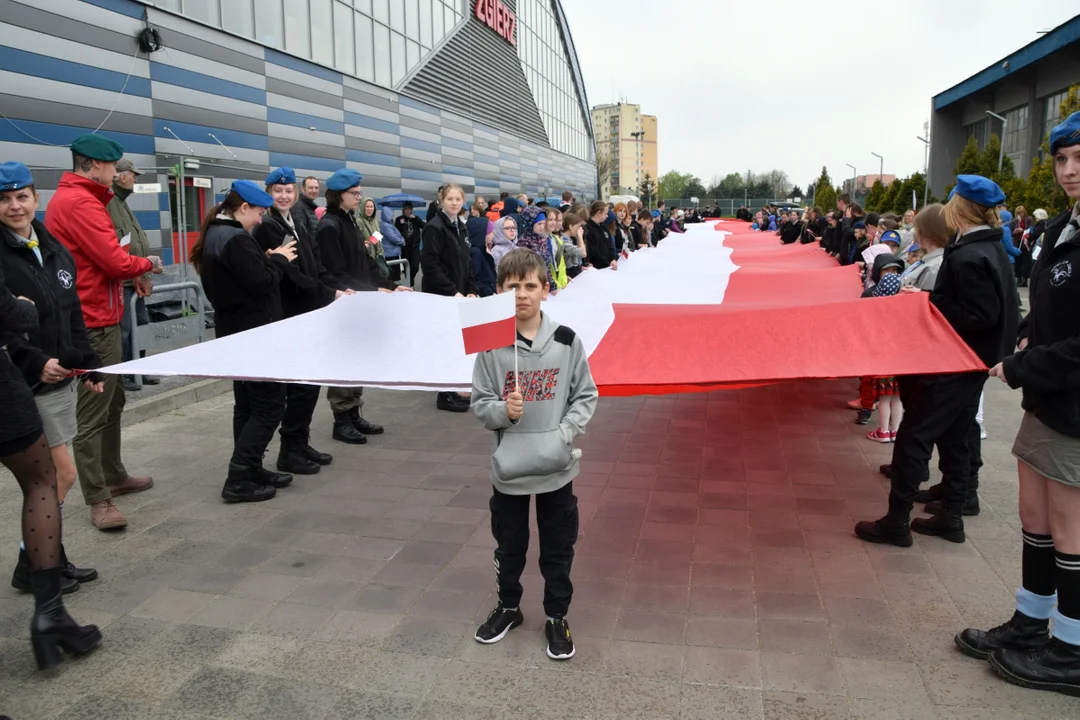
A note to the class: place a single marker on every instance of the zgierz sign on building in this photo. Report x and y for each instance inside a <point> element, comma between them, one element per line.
<point>497,17</point>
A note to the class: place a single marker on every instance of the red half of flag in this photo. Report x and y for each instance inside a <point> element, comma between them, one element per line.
<point>488,323</point>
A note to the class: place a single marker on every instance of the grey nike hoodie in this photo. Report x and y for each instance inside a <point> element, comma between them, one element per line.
<point>536,454</point>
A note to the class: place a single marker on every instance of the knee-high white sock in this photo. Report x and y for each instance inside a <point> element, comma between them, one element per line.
<point>884,413</point>
<point>897,413</point>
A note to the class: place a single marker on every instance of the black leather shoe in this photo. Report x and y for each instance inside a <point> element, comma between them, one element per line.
<point>1019,633</point>
<point>886,531</point>
<point>452,402</point>
<point>274,479</point>
<point>947,526</point>
<point>21,576</point>
<point>242,486</point>
<point>148,380</point>
<point>1054,666</point>
<point>130,385</point>
<point>52,631</point>
<point>314,455</point>
<point>363,425</point>
<point>77,574</point>
<point>930,494</point>
<point>970,509</point>
<point>345,431</point>
<point>886,470</point>
<point>291,460</point>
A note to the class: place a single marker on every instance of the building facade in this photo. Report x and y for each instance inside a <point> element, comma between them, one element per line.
<point>628,138</point>
<point>1026,88</point>
<point>411,93</point>
<point>862,184</point>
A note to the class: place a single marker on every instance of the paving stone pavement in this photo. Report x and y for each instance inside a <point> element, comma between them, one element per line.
<point>717,577</point>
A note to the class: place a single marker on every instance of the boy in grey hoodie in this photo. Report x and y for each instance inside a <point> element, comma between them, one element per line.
<point>535,416</point>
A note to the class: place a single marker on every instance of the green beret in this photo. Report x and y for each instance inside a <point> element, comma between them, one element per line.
<point>97,147</point>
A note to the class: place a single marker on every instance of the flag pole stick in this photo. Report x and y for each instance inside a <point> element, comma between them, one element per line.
<point>517,377</point>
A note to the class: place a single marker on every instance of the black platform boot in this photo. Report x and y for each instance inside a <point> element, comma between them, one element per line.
<point>345,430</point>
<point>242,486</point>
<point>1055,666</point>
<point>291,460</point>
<point>52,631</point>
<point>1019,633</point>
<point>20,577</point>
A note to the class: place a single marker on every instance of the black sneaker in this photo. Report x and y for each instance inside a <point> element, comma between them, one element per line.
<point>863,417</point>
<point>498,623</point>
<point>560,644</point>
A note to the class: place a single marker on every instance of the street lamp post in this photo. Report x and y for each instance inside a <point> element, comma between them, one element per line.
<point>881,167</point>
<point>926,167</point>
<point>1004,122</point>
<point>854,177</point>
<point>637,147</point>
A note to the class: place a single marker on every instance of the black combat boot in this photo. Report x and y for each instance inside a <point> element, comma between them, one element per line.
<point>1054,666</point>
<point>363,425</point>
<point>893,529</point>
<point>276,480</point>
<point>291,459</point>
<point>21,576</point>
<point>948,525</point>
<point>242,485</point>
<point>932,493</point>
<point>1019,633</point>
<point>314,455</point>
<point>52,631</point>
<point>345,430</point>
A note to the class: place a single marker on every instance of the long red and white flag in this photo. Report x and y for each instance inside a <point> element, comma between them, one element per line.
<point>488,323</point>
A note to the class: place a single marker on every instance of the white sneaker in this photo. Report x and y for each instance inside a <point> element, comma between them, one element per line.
<point>982,434</point>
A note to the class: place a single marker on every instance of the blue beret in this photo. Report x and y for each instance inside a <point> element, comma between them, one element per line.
<point>252,194</point>
<point>15,176</point>
<point>891,236</point>
<point>979,190</point>
<point>1066,134</point>
<point>97,147</point>
<point>343,180</point>
<point>656,213</point>
<point>857,225</point>
<point>281,176</point>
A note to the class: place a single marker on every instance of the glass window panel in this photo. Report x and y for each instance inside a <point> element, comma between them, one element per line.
<point>397,58</point>
<point>344,52</point>
<point>437,31</point>
<point>425,23</point>
<point>173,5</point>
<point>381,11</point>
<point>449,19</point>
<point>363,6</point>
<point>270,24</point>
<point>238,16</point>
<point>297,35</point>
<point>412,54</point>
<point>397,15</point>
<point>207,11</point>
<point>365,60</point>
<point>322,32</point>
<point>381,46</point>
<point>412,19</point>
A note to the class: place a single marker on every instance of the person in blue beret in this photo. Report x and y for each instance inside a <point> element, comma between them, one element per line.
<point>243,283</point>
<point>975,291</point>
<point>1025,650</point>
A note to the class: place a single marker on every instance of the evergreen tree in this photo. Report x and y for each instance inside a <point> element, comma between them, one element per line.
<point>877,194</point>
<point>824,195</point>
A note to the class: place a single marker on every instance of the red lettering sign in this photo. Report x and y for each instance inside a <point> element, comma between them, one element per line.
<point>497,17</point>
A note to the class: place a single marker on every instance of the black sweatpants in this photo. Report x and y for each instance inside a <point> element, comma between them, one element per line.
<point>937,410</point>
<point>300,402</point>
<point>257,411</point>
<point>557,523</point>
<point>412,254</point>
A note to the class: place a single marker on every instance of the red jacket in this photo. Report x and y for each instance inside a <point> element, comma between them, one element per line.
<point>77,217</point>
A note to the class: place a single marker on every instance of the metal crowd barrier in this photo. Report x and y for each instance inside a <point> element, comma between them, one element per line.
<point>407,282</point>
<point>172,333</point>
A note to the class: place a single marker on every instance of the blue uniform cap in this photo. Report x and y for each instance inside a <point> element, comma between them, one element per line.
<point>857,225</point>
<point>15,176</point>
<point>891,236</point>
<point>1066,134</point>
<point>252,194</point>
<point>979,190</point>
<point>343,180</point>
<point>656,213</point>
<point>281,176</point>
<point>540,218</point>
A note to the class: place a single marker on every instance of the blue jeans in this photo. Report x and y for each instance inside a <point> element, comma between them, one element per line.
<point>142,317</point>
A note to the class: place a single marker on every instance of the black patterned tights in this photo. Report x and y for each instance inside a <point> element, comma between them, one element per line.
<point>34,470</point>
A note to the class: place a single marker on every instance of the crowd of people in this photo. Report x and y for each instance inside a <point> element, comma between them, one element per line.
<point>271,252</point>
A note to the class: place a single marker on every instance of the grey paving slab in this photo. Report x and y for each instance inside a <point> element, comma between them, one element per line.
<point>716,577</point>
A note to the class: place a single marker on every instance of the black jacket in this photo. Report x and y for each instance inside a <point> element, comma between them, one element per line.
<point>1048,369</point>
<point>790,232</point>
<point>19,416</point>
<point>598,245</point>
<point>303,213</point>
<point>307,285</point>
<point>445,258</point>
<point>847,245</point>
<point>344,255</point>
<point>976,292</point>
<point>411,228</point>
<point>51,286</point>
<point>744,214</point>
<point>637,236</point>
<point>240,281</point>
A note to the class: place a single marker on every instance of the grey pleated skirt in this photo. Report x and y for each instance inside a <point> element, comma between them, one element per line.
<point>1050,453</point>
<point>57,410</point>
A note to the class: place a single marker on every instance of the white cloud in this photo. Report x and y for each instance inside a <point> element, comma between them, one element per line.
<point>794,85</point>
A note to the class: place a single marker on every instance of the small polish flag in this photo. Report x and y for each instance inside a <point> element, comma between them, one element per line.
<point>488,323</point>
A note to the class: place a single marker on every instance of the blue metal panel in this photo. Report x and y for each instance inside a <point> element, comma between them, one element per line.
<point>371,123</point>
<point>124,7</point>
<point>457,144</point>
<point>43,66</point>
<point>408,174</point>
<point>295,63</point>
<point>306,162</point>
<point>201,133</point>
<point>288,117</point>
<point>206,83</point>
<point>372,158</point>
<point>421,145</point>
<point>416,104</point>
<point>454,170</point>
<point>149,219</point>
<point>52,134</point>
